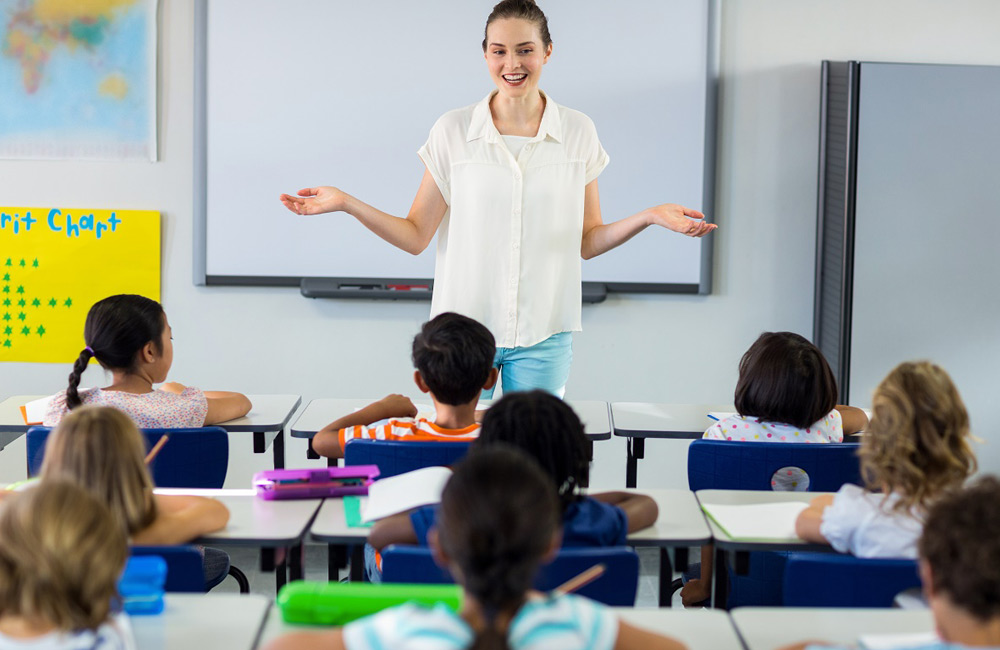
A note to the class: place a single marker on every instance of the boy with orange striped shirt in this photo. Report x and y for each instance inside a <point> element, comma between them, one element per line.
<point>453,356</point>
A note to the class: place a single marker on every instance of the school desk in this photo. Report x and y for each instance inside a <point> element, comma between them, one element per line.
<point>278,528</point>
<point>740,548</point>
<point>190,621</point>
<point>679,525</point>
<point>266,421</point>
<point>698,629</point>
<point>637,421</point>
<point>766,628</point>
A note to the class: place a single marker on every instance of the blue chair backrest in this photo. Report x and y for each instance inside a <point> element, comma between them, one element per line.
<point>729,465</point>
<point>615,587</point>
<point>184,566</point>
<point>398,457</point>
<point>193,458</point>
<point>833,580</point>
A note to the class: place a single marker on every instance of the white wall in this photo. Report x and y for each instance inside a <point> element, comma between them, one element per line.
<point>644,348</point>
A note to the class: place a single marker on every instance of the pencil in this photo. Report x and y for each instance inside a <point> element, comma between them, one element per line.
<point>585,578</point>
<point>156,448</point>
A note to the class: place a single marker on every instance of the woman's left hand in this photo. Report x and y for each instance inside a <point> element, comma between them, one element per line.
<point>680,219</point>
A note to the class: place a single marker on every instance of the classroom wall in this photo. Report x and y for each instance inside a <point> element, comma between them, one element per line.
<point>634,347</point>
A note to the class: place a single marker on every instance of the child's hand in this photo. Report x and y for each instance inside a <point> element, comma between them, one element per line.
<point>694,592</point>
<point>173,387</point>
<point>396,406</point>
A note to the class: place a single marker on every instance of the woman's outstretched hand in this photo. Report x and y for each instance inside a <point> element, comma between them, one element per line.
<point>315,200</point>
<point>680,219</point>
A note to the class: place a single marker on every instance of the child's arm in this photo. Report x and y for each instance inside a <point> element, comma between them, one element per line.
<point>182,518</point>
<point>640,509</point>
<point>631,637</point>
<point>808,522</point>
<point>225,405</point>
<point>854,419</point>
<point>326,442</point>
<point>394,529</point>
<point>325,640</point>
<point>699,589</point>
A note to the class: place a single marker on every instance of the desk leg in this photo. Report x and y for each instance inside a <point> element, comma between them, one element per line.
<point>720,592</point>
<point>590,460</point>
<point>357,572</point>
<point>279,450</point>
<point>310,452</point>
<point>681,558</point>
<point>666,577</point>
<point>336,559</point>
<point>635,449</point>
<point>296,562</point>
<point>259,443</point>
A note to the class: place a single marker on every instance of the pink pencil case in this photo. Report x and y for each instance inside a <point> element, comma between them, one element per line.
<point>314,483</point>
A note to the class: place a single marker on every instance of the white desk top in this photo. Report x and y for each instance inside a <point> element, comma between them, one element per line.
<point>766,628</point>
<point>256,522</point>
<point>190,621</point>
<point>320,412</point>
<point>652,420</point>
<point>269,413</point>
<point>746,497</point>
<point>699,630</point>
<point>680,523</point>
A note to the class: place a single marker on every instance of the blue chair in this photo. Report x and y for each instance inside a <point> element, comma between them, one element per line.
<point>398,457</point>
<point>828,580</point>
<point>184,572</point>
<point>193,458</point>
<point>615,587</point>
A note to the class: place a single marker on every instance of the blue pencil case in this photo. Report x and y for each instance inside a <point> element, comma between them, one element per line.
<point>141,585</point>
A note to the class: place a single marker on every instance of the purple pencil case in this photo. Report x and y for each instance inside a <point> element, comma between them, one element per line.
<point>314,483</point>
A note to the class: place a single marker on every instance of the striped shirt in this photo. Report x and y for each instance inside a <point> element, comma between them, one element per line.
<point>420,429</point>
<point>549,623</point>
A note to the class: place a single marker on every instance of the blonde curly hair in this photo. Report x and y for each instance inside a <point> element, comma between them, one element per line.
<point>917,443</point>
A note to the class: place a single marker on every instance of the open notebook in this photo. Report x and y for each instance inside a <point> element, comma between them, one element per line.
<point>34,411</point>
<point>765,522</point>
<point>403,492</point>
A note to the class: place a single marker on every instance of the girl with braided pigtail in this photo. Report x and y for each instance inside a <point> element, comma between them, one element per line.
<point>499,522</point>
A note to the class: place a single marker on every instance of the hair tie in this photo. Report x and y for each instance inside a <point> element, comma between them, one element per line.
<point>90,350</point>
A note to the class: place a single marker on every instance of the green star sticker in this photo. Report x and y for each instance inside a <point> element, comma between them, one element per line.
<point>6,277</point>
<point>53,302</point>
<point>6,302</point>
<point>20,288</point>
<point>21,302</point>
<point>23,263</point>
<point>8,331</point>
<point>35,263</point>
<point>36,303</point>
<point>6,316</point>
<point>6,343</point>
<point>8,262</point>
<point>25,330</point>
<point>21,315</point>
<point>40,331</point>
<point>6,288</point>
<point>69,302</point>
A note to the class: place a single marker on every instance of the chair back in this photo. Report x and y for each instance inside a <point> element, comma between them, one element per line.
<point>184,566</point>
<point>400,456</point>
<point>615,587</point>
<point>191,458</point>
<point>834,580</point>
<point>729,465</point>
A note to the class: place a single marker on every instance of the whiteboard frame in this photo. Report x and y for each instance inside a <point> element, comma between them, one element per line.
<point>200,169</point>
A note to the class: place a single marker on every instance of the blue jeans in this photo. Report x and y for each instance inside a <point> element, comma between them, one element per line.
<point>544,365</point>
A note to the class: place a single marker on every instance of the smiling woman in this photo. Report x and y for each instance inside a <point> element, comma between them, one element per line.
<point>510,188</point>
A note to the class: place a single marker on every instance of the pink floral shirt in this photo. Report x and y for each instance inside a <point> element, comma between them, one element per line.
<point>746,428</point>
<point>154,410</point>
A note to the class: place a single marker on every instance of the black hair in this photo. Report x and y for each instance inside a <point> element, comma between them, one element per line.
<point>498,518</point>
<point>454,355</point>
<point>116,330</point>
<point>785,378</point>
<point>523,10</point>
<point>961,543</point>
<point>548,430</point>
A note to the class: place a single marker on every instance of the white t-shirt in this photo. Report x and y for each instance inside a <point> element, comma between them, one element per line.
<point>746,428</point>
<point>113,635</point>
<point>558,623</point>
<point>864,524</point>
<point>508,251</point>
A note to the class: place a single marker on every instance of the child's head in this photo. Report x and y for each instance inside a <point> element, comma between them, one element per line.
<point>960,554</point>
<point>61,554</point>
<point>784,378</point>
<point>121,332</point>
<point>917,443</point>
<point>499,519</point>
<point>546,428</point>
<point>453,355</point>
<point>101,450</point>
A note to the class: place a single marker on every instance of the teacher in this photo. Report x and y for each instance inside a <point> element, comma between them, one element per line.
<point>510,188</point>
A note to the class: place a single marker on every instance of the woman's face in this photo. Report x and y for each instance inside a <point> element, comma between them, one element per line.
<point>515,56</point>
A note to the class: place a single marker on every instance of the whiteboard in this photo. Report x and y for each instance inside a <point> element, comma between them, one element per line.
<point>328,92</point>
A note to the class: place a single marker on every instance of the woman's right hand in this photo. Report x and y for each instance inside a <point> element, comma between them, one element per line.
<point>315,200</point>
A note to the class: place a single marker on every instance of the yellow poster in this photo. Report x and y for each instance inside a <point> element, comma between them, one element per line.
<point>57,262</point>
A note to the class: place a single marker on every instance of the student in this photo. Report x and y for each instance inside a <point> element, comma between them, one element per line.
<point>130,336</point>
<point>915,450</point>
<point>61,555</point>
<point>547,429</point>
<point>453,357</point>
<point>100,449</point>
<point>786,392</point>
<point>499,522</point>
<point>960,568</point>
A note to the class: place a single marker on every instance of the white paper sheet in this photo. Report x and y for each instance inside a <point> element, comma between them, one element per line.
<point>757,520</point>
<point>404,492</point>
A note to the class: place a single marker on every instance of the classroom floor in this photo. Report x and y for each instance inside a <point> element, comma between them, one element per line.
<point>315,555</point>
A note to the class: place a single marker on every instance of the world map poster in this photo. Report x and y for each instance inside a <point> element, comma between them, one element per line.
<point>78,79</point>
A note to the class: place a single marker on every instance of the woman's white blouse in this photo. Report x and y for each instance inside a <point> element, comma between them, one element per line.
<point>508,250</point>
